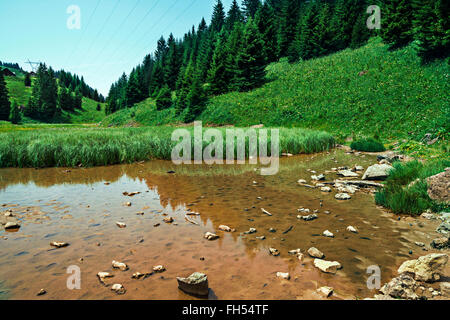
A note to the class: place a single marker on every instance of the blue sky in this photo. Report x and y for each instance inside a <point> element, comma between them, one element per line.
<point>115,35</point>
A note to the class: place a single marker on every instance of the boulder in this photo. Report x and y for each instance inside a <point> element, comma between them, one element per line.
<point>315,253</point>
<point>325,291</point>
<point>12,225</point>
<point>440,243</point>
<point>342,196</point>
<point>401,287</point>
<point>377,172</point>
<point>328,234</point>
<point>352,229</point>
<point>427,268</point>
<point>196,284</point>
<point>347,174</point>
<point>319,177</point>
<point>118,288</point>
<point>119,265</point>
<point>439,186</point>
<point>327,266</point>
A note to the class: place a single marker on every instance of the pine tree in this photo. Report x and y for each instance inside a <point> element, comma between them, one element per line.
<point>173,63</point>
<point>65,100</point>
<point>360,33</point>
<point>234,15</point>
<point>346,14</point>
<point>218,17</point>
<point>251,61</point>
<point>218,76</point>
<point>195,100</point>
<point>234,45</point>
<point>432,29</point>
<point>250,8</point>
<point>289,18</point>
<point>309,37</point>
<point>397,27</point>
<point>164,98</point>
<point>27,80</point>
<point>15,117</point>
<point>133,92</point>
<point>4,99</point>
<point>266,21</point>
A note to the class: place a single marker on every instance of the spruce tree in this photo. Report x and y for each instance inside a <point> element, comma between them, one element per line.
<point>27,80</point>
<point>266,21</point>
<point>360,33</point>
<point>4,99</point>
<point>250,8</point>
<point>195,100</point>
<point>164,98</point>
<point>289,18</point>
<point>234,15</point>
<point>133,92</point>
<point>218,76</point>
<point>234,45</point>
<point>15,117</point>
<point>397,27</point>
<point>218,17</point>
<point>173,64</point>
<point>251,61</point>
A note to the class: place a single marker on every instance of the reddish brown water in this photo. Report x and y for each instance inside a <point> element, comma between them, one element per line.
<point>77,206</point>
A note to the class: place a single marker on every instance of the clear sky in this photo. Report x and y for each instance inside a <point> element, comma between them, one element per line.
<point>114,37</point>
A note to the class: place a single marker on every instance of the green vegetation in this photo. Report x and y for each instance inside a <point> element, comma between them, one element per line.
<point>4,99</point>
<point>406,187</point>
<point>69,147</point>
<point>367,145</point>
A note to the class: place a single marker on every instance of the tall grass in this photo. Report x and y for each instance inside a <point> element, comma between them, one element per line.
<point>70,147</point>
<point>368,145</point>
<point>406,187</point>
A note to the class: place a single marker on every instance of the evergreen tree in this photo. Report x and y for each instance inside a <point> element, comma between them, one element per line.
<point>218,17</point>
<point>133,92</point>
<point>27,80</point>
<point>234,15</point>
<point>266,22</point>
<point>360,33</point>
<point>289,18</point>
<point>195,100</point>
<point>164,98</point>
<point>250,8</point>
<point>251,61</point>
<point>78,99</point>
<point>346,14</point>
<point>218,76</point>
<point>173,63</point>
<point>4,99</point>
<point>65,100</point>
<point>308,42</point>
<point>397,26</point>
<point>99,107</point>
<point>234,45</point>
<point>44,98</point>
<point>15,117</point>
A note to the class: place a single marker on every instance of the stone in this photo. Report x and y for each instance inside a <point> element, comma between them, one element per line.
<point>440,243</point>
<point>439,186</point>
<point>41,292</point>
<point>301,181</point>
<point>168,219</point>
<point>377,172</point>
<point>359,168</point>
<point>266,212</point>
<point>309,217</point>
<point>315,253</point>
<point>59,244</point>
<point>445,289</point>
<point>12,225</point>
<point>352,229</point>
<point>119,265</point>
<point>211,236</point>
<point>347,174</point>
<point>283,275</point>
<point>319,177</point>
<point>328,234</point>
<point>427,215</point>
<point>196,284</point>
<point>327,266</point>
<point>420,244</point>
<point>250,231</point>
<point>295,251</point>
<point>139,275</point>
<point>444,227</point>
<point>325,291</point>
<point>159,268</point>
<point>118,288</point>
<point>401,287</point>
<point>102,276</point>
<point>274,252</point>
<point>325,189</point>
<point>225,228</point>
<point>426,268</point>
<point>121,224</point>
<point>342,196</point>
<point>261,238</point>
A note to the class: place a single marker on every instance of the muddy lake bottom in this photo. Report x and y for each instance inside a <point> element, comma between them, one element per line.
<point>81,207</point>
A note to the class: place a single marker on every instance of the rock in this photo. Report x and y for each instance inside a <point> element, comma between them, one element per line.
<point>59,244</point>
<point>274,252</point>
<point>439,186</point>
<point>103,276</point>
<point>327,266</point>
<point>156,225</point>
<point>342,196</point>
<point>119,265</point>
<point>225,228</point>
<point>127,204</point>
<point>401,287</point>
<point>328,234</point>
<point>346,188</point>
<point>250,231</point>
<point>325,189</point>
<point>315,253</point>
<point>211,236</point>
<point>427,268</point>
<point>359,168</point>
<point>272,230</point>
<point>347,174</point>
<point>139,275</point>
<point>283,275</point>
<point>440,243</point>
<point>325,291</point>
<point>319,177</point>
<point>12,225</point>
<point>309,217</point>
<point>261,238</point>
<point>41,292</point>
<point>427,215</point>
<point>168,219</point>
<point>301,181</point>
<point>159,268</point>
<point>420,244</point>
<point>118,288</point>
<point>295,252</point>
<point>121,224</point>
<point>196,284</point>
<point>377,172</point>
<point>445,289</point>
<point>444,227</point>
<point>266,212</point>
<point>352,229</point>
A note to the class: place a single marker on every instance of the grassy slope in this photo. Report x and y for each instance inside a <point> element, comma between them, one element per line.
<point>21,94</point>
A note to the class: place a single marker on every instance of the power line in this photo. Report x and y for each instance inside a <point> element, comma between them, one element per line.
<point>84,31</point>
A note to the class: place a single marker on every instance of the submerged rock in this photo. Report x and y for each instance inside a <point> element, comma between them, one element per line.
<point>211,236</point>
<point>342,196</point>
<point>119,265</point>
<point>427,268</point>
<point>283,275</point>
<point>325,189</point>
<point>347,174</point>
<point>168,220</point>
<point>309,217</point>
<point>139,275</point>
<point>59,244</point>
<point>41,292</point>
<point>327,266</point>
<point>352,229</point>
<point>266,212</point>
<point>118,288</point>
<point>274,252</point>
<point>121,224</point>
<point>325,291</point>
<point>328,234</point>
<point>315,253</point>
<point>12,225</point>
<point>250,231</point>
<point>196,284</point>
<point>102,276</point>
<point>377,172</point>
<point>159,268</point>
<point>319,177</point>
<point>225,228</point>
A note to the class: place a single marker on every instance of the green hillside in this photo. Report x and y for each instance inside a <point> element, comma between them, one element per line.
<point>18,92</point>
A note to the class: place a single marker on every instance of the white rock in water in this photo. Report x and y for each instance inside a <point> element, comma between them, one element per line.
<point>196,284</point>
<point>250,231</point>
<point>301,181</point>
<point>325,291</point>
<point>315,253</point>
<point>159,268</point>
<point>342,196</point>
<point>328,234</point>
<point>347,173</point>
<point>103,275</point>
<point>266,212</point>
<point>377,172</point>
<point>325,189</point>
<point>320,177</point>
<point>427,268</point>
<point>359,168</point>
<point>121,224</point>
<point>283,275</point>
<point>296,251</point>
<point>327,266</point>
<point>211,236</point>
<point>12,225</point>
<point>274,252</point>
<point>59,244</point>
<point>225,228</point>
<point>352,229</point>
<point>119,265</point>
<point>168,219</point>
<point>118,288</point>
